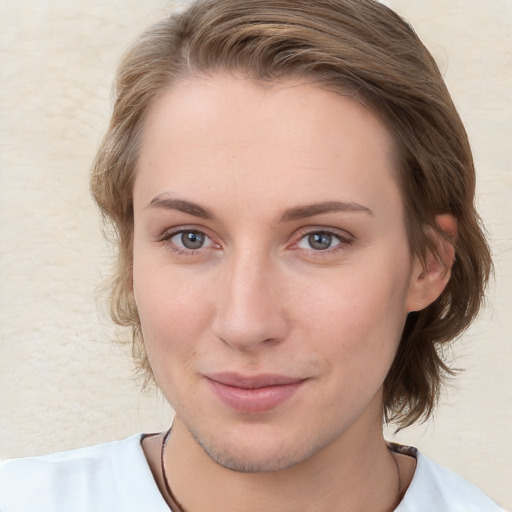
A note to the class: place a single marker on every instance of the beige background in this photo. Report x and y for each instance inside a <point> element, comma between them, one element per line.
<point>63,383</point>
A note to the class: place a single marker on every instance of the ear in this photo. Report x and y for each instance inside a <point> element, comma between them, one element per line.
<point>431,275</point>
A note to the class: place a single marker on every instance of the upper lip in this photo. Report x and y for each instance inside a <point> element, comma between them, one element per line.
<point>261,380</point>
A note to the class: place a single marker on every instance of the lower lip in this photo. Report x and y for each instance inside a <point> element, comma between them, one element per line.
<point>254,400</point>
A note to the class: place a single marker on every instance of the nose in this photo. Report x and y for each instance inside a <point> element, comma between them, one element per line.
<point>250,309</point>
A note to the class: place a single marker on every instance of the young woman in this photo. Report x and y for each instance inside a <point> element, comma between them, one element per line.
<point>292,190</point>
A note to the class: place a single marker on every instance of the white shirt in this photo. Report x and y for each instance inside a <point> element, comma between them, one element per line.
<point>115,477</point>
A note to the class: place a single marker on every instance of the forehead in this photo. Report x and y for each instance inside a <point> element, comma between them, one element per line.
<point>291,141</point>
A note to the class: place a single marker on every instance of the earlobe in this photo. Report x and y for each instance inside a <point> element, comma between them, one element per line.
<point>431,274</point>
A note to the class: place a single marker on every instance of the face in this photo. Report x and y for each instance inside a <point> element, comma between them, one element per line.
<point>271,266</point>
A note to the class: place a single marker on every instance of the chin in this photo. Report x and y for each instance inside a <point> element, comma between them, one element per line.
<point>240,462</point>
<point>258,453</point>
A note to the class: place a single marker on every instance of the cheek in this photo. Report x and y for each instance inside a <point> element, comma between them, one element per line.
<point>357,317</point>
<point>173,312</point>
<point>169,328</point>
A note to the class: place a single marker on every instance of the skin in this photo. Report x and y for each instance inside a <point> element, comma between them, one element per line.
<point>242,163</point>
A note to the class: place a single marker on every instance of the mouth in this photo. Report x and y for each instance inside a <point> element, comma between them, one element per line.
<point>253,394</point>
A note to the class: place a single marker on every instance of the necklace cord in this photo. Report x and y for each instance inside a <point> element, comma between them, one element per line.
<point>174,504</point>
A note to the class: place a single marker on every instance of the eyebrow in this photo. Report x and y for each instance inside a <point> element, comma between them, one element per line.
<point>301,212</point>
<point>296,213</point>
<point>165,202</point>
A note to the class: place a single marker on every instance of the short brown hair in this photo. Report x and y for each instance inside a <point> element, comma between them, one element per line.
<point>358,48</point>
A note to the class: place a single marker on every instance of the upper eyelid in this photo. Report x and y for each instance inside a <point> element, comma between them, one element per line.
<point>169,232</point>
<point>343,234</point>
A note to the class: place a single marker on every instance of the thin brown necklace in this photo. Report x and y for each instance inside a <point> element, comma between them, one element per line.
<point>176,506</point>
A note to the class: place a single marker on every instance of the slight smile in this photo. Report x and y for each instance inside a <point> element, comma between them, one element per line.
<point>253,394</point>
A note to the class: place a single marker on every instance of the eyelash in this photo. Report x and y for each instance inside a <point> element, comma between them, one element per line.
<point>343,241</point>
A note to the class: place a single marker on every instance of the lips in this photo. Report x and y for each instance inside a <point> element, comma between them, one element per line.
<point>253,394</point>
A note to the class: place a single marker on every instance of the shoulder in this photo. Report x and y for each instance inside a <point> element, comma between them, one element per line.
<point>435,488</point>
<point>112,476</point>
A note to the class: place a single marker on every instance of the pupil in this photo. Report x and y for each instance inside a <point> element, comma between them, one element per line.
<point>320,241</point>
<point>192,239</point>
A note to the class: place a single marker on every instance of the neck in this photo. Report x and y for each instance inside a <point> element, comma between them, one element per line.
<point>356,472</point>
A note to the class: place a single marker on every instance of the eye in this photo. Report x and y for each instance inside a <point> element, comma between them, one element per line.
<point>319,241</point>
<point>190,240</point>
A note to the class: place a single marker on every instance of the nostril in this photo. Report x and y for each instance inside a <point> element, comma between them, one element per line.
<point>245,330</point>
